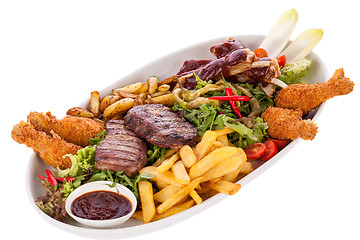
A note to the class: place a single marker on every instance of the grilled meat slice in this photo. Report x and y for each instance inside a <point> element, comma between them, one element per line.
<point>161,126</point>
<point>121,150</point>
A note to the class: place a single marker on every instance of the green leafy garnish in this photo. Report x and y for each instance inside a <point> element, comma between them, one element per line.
<point>292,73</point>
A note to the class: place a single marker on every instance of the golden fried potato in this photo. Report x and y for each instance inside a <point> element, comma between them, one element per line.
<point>147,200</point>
<point>80,112</point>
<point>118,107</point>
<point>94,103</point>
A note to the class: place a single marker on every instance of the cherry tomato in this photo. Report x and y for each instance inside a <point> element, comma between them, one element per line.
<point>280,143</point>
<point>281,61</point>
<point>260,53</point>
<point>270,151</point>
<point>255,150</point>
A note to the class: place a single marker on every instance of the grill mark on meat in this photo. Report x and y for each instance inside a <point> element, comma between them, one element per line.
<point>121,150</point>
<point>161,126</point>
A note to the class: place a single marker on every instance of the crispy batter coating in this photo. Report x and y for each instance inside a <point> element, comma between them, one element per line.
<point>75,130</point>
<point>309,96</point>
<point>288,124</point>
<point>51,149</point>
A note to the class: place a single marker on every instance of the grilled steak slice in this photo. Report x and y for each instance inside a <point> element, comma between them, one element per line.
<point>121,150</point>
<point>161,126</point>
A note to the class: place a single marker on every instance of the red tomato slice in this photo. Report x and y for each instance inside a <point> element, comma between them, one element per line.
<point>260,53</point>
<point>280,143</point>
<point>281,61</point>
<point>255,150</point>
<point>270,151</point>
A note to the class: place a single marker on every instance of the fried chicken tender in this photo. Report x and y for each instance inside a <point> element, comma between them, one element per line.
<point>288,124</point>
<point>75,130</point>
<point>309,96</point>
<point>51,149</point>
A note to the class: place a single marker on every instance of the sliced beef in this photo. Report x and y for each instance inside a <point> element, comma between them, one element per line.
<point>121,150</point>
<point>161,126</point>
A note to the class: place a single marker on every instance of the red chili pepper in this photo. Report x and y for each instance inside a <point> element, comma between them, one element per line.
<point>42,177</point>
<point>51,177</point>
<point>227,98</point>
<point>69,179</point>
<point>229,92</point>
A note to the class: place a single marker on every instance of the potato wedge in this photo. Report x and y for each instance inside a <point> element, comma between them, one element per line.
<point>167,99</point>
<point>131,88</point>
<point>212,159</point>
<point>107,101</point>
<point>205,145</point>
<point>179,171</point>
<point>166,177</point>
<point>118,107</point>
<point>163,88</point>
<point>147,200</point>
<point>153,84</point>
<point>143,89</point>
<point>187,156</point>
<point>177,196</point>
<point>94,103</point>
<point>124,94</point>
<point>80,112</point>
<point>225,187</point>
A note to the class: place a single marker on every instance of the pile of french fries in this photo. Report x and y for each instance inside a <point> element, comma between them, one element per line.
<point>190,175</point>
<point>115,105</point>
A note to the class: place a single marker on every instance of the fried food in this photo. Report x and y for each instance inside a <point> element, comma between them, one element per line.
<point>288,124</point>
<point>309,96</point>
<point>76,130</point>
<point>51,148</point>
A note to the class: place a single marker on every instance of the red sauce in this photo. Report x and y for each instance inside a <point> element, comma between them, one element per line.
<point>101,205</point>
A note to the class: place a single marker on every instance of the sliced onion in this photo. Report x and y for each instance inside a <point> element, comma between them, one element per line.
<point>278,82</point>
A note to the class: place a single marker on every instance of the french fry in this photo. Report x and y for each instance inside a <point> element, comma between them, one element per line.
<point>131,88</point>
<point>80,112</point>
<point>165,193</point>
<point>231,177</point>
<point>224,167</point>
<point>147,200</point>
<point>138,215</point>
<point>247,168</point>
<point>205,145</point>
<point>153,84</point>
<point>179,195</point>
<point>223,139</point>
<point>161,185</point>
<point>218,144</point>
<point>174,210</point>
<point>167,163</point>
<point>224,131</point>
<point>167,99</point>
<point>166,177</point>
<point>107,101</point>
<point>94,103</point>
<point>180,173</point>
<point>118,107</point>
<point>225,187</point>
<point>194,195</point>
<point>212,159</point>
<point>187,156</point>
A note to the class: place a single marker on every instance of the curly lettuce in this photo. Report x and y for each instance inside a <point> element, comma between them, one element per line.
<point>293,73</point>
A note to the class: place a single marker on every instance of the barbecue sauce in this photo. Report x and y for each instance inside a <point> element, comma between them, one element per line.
<point>101,205</point>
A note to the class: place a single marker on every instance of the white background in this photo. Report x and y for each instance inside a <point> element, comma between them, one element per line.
<point>54,53</point>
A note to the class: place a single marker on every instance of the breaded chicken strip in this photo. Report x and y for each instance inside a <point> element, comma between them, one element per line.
<point>309,96</point>
<point>51,149</point>
<point>288,124</point>
<point>75,130</point>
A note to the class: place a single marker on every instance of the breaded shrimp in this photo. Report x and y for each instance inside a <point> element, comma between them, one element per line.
<point>75,130</point>
<point>309,96</point>
<point>51,149</point>
<point>288,124</point>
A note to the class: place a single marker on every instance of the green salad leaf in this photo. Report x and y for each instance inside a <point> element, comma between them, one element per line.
<point>292,73</point>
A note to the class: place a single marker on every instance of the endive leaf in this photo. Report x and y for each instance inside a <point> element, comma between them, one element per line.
<point>302,45</point>
<point>280,33</point>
